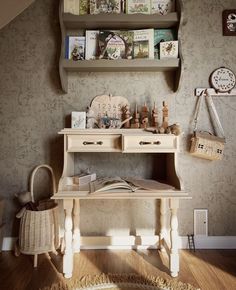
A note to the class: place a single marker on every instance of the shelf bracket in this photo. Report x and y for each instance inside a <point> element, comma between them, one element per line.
<point>214,93</point>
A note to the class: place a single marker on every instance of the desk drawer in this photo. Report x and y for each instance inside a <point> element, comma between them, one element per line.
<point>150,143</point>
<point>93,143</point>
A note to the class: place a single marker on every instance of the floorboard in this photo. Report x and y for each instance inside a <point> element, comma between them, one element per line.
<point>206,269</point>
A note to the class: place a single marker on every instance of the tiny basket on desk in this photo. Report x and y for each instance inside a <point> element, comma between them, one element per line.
<point>39,230</point>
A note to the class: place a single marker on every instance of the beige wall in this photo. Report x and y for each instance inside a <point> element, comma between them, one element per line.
<point>33,109</point>
<point>10,9</point>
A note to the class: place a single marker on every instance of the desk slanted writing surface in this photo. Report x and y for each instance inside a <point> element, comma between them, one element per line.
<point>124,141</point>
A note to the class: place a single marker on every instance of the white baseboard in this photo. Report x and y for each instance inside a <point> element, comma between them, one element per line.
<point>141,242</point>
<point>8,243</point>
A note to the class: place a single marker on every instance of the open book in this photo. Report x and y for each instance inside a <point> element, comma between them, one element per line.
<point>117,183</point>
<point>111,184</point>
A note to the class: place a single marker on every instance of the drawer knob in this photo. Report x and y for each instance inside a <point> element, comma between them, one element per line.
<point>92,143</point>
<point>149,143</point>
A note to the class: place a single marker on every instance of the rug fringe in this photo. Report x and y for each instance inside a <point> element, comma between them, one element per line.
<point>92,280</point>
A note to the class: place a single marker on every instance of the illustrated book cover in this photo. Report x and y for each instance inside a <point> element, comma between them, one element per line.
<point>162,7</point>
<point>75,47</point>
<point>143,45</point>
<point>83,7</point>
<point>138,6</point>
<point>161,35</point>
<point>115,44</point>
<point>91,39</point>
<point>169,49</point>
<point>105,6</point>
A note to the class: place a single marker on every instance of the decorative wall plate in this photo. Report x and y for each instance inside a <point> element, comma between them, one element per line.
<point>223,80</point>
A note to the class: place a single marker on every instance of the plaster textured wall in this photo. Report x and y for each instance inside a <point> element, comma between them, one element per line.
<point>33,109</point>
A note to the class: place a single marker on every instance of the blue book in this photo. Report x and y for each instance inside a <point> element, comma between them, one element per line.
<point>67,47</point>
<point>161,35</point>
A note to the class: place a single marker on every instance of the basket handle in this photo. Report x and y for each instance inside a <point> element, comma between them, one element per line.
<point>33,176</point>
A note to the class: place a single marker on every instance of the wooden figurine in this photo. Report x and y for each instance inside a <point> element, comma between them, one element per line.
<point>90,119</point>
<point>126,116</point>
<point>165,115</point>
<point>154,116</point>
<point>136,123</point>
<point>144,116</point>
<point>174,129</point>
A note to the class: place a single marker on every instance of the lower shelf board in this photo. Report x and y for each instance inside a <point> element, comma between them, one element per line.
<point>122,65</point>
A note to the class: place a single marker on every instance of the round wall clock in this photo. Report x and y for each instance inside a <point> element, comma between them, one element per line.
<point>223,80</point>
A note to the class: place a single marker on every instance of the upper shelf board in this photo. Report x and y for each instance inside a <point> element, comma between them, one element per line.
<point>120,21</point>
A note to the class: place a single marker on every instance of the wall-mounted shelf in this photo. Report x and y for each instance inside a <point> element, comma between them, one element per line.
<point>213,92</point>
<point>103,65</point>
<point>77,24</point>
<point>120,21</point>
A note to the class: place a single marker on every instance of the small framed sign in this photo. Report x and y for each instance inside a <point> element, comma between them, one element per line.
<point>229,22</point>
<point>78,120</point>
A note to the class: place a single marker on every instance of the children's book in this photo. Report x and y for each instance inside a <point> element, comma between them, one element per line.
<point>162,7</point>
<point>83,7</point>
<point>115,44</point>
<point>138,6</point>
<point>75,47</point>
<point>91,39</point>
<point>169,49</point>
<point>105,6</point>
<point>161,35</point>
<point>143,45</point>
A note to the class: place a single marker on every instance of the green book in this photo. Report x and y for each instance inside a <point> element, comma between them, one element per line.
<point>162,35</point>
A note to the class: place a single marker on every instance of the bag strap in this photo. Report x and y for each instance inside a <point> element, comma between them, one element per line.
<point>217,119</point>
<point>197,110</point>
<point>33,176</point>
<point>212,106</point>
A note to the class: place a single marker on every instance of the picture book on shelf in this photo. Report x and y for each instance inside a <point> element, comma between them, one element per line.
<point>105,6</point>
<point>83,7</point>
<point>115,44</point>
<point>91,39</point>
<point>169,49</point>
<point>111,184</point>
<point>143,45</point>
<point>162,35</point>
<point>138,6</point>
<point>162,7</point>
<point>72,6</point>
<point>75,47</point>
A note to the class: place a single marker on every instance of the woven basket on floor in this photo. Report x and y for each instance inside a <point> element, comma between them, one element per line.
<point>39,230</point>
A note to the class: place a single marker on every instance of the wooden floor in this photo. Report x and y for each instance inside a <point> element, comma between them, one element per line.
<point>207,269</point>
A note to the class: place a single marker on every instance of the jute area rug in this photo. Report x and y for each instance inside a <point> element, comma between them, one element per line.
<point>121,282</point>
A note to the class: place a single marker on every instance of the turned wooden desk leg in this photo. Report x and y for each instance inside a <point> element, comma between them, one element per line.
<point>76,220</point>
<point>174,238</point>
<point>68,253</point>
<point>163,223</point>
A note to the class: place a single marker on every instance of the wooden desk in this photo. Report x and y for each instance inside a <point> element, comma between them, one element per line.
<point>125,141</point>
